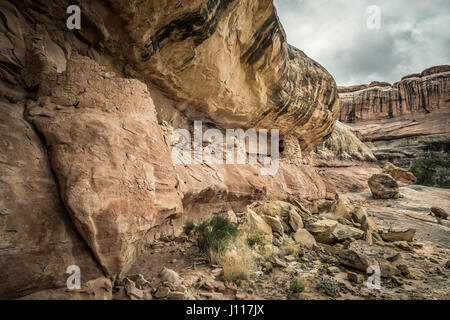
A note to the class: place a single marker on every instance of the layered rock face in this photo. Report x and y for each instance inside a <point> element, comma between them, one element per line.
<point>414,95</point>
<point>401,121</point>
<point>87,176</point>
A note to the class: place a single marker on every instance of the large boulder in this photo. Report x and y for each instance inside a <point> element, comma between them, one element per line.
<point>439,212</point>
<point>334,210</point>
<point>401,175</point>
<point>257,224</point>
<point>343,232</point>
<point>362,255</point>
<point>322,230</point>
<point>304,238</point>
<point>383,186</point>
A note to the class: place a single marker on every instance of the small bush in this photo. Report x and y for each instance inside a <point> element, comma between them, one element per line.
<point>188,227</point>
<point>253,240</point>
<point>432,170</point>
<point>297,286</point>
<point>215,233</point>
<point>330,286</point>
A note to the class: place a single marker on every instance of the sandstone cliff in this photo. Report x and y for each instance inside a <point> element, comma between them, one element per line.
<point>87,177</point>
<point>400,121</point>
<point>413,95</point>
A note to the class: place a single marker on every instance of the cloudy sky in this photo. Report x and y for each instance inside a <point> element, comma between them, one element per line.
<point>413,36</point>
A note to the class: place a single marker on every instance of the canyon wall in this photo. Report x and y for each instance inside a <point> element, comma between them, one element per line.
<point>87,117</point>
<point>416,94</point>
<point>400,121</point>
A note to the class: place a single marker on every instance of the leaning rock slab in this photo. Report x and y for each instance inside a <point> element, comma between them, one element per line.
<point>38,241</point>
<point>295,220</point>
<point>257,224</point>
<point>109,156</point>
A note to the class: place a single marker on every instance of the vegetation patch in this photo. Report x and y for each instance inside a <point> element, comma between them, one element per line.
<point>432,170</point>
<point>254,240</point>
<point>188,227</point>
<point>297,285</point>
<point>330,286</point>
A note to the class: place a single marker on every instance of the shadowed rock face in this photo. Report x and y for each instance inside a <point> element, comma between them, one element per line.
<point>415,94</point>
<point>230,63</point>
<point>343,145</point>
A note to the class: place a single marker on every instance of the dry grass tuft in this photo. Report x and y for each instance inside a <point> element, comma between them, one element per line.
<point>237,260</point>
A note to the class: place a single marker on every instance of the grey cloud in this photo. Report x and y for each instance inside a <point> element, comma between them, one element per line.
<point>413,36</point>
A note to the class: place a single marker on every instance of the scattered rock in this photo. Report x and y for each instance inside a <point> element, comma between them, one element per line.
<point>162,292</point>
<point>439,212</point>
<point>383,186</point>
<point>343,232</point>
<point>132,291</point>
<point>304,238</point>
<point>354,277</point>
<point>170,276</point>
<point>392,236</point>
<point>275,224</point>
<point>400,174</point>
<point>360,255</point>
<point>322,230</point>
<point>333,270</point>
<point>278,262</point>
<point>257,224</point>
<point>295,220</point>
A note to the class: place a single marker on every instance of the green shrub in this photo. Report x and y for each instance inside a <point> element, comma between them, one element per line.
<point>330,286</point>
<point>297,286</point>
<point>432,170</point>
<point>253,240</point>
<point>188,227</point>
<point>215,233</point>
